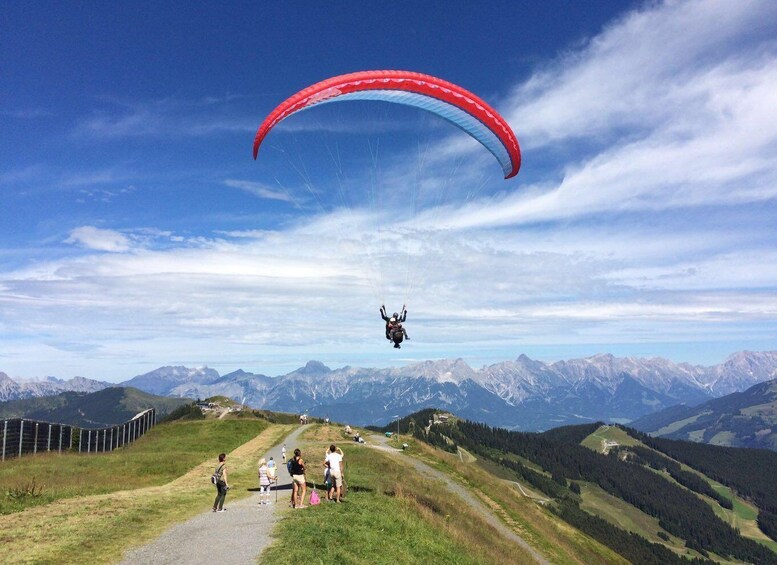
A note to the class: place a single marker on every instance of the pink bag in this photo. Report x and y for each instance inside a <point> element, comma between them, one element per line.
<point>314,498</point>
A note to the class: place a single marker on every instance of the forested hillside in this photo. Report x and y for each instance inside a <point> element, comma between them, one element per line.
<point>666,484</point>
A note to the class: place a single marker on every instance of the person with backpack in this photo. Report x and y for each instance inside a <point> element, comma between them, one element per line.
<point>296,467</point>
<point>222,484</point>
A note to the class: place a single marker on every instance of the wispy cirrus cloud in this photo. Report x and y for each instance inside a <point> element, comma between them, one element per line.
<point>260,189</point>
<point>168,117</point>
<point>661,118</point>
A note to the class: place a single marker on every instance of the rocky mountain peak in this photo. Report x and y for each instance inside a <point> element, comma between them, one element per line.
<point>314,368</point>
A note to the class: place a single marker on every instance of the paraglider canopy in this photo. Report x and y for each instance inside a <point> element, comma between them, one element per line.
<point>445,99</point>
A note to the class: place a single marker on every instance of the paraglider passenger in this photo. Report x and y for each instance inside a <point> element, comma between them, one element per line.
<point>394,322</point>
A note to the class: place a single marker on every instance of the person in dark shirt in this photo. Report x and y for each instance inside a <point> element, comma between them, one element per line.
<point>299,485</point>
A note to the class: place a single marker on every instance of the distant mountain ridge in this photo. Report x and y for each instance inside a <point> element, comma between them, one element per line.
<point>106,407</point>
<point>520,394</point>
<point>740,419</point>
<point>13,390</point>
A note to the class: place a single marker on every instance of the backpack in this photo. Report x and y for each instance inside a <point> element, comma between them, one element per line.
<point>289,466</point>
<point>216,477</point>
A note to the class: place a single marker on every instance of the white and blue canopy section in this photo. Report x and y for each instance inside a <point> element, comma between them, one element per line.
<point>453,114</point>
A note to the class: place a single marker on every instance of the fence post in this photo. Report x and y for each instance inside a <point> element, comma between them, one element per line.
<point>89,442</point>
<point>105,434</point>
<point>48,444</point>
<point>21,436</point>
<point>111,439</point>
<point>61,429</point>
<point>80,438</point>
<point>5,433</point>
<point>35,443</point>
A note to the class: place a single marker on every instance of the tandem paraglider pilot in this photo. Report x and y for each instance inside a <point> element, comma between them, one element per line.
<point>394,330</point>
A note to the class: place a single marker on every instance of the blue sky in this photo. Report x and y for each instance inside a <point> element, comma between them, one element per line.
<point>137,230</point>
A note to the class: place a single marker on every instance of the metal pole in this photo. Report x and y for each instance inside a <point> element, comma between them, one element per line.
<point>35,444</point>
<point>5,434</point>
<point>105,435</point>
<point>80,439</point>
<point>61,430</point>
<point>48,444</point>
<point>21,436</point>
<point>111,439</point>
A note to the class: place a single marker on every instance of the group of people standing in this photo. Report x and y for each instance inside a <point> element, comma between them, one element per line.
<point>333,478</point>
<point>334,469</point>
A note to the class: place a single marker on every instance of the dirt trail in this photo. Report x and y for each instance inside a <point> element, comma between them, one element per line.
<point>379,442</point>
<point>238,535</point>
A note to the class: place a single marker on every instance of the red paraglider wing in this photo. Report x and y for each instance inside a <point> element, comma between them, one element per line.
<point>451,102</point>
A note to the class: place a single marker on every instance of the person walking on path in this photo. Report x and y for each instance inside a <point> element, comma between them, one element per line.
<point>222,484</point>
<point>264,482</point>
<point>299,486</point>
<point>283,453</point>
<point>334,459</point>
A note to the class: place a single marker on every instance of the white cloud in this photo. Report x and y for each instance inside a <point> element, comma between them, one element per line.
<point>99,239</point>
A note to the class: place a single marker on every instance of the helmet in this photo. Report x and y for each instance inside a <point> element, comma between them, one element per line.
<point>395,315</point>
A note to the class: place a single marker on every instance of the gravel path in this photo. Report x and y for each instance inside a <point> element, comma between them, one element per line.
<point>236,536</point>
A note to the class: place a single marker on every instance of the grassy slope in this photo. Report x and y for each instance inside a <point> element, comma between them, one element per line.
<point>397,515</point>
<point>170,487</point>
<point>392,515</point>
<point>675,426</point>
<point>184,445</point>
<point>552,537</point>
<point>612,433</point>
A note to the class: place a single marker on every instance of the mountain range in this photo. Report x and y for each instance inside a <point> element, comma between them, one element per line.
<point>13,390</point>
<point>521,394</point>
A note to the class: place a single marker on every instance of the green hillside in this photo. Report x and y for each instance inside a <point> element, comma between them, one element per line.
<point>106,407</point>
<point>635,500</point>
<point>742,419</point>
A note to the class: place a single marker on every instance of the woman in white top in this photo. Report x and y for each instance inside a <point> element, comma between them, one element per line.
<point>334,460</point>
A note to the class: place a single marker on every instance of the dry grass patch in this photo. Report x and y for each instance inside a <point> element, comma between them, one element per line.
<point>325,433</point>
